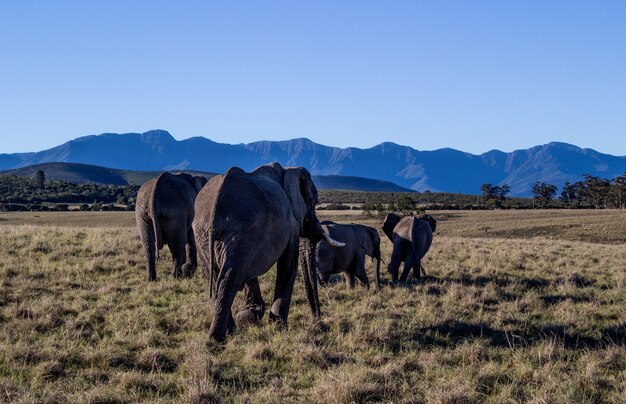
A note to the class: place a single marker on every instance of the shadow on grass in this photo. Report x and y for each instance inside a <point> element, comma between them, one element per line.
<point>500,281</point>
<point>456,332</point>
<point>555,299</point>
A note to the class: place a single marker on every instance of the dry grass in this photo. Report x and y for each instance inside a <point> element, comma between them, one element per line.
<point>595,226</point>
<point>502,319</point>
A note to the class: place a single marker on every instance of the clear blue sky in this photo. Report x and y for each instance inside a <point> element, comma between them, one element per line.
<point>472,75</point>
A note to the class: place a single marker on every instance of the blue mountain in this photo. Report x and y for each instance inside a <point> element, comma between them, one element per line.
<point>446,170</point>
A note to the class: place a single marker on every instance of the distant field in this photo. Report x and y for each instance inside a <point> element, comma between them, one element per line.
<point>519,306</point>
<point>595,226</point>
<point>69,219</point>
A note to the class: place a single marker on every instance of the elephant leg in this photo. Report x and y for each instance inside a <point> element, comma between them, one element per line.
<point>417,270</point>
<point>360,273</point>
<point>394,264</point>
<point>178,258</point>
<point>405,272</point>
<point>348,276</point>
<point>146,234</point>
<point>324,269</point>
<point>227,287</point>
<point>191,263</point>
<point>287,266</point>
<point>255,306</point>
<point>323,277</point>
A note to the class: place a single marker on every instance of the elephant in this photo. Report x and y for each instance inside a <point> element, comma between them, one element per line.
<point>411,237</point>
<point>164,213</point>
<point>360,241</point>
<point>247,222</point>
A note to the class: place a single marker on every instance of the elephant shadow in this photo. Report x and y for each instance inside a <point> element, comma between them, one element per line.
<point>454,333</point>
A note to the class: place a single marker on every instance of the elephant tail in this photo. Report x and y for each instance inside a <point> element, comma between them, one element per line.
<point>156,225</point>
<point>212,273</point>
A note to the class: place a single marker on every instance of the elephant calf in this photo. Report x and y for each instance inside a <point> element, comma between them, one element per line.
<point>411,237</point>
<point>164,214</point>
<point>360,241</point>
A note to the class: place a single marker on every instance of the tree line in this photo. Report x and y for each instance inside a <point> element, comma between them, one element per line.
<point>591,192</point>
<point>38,193</point>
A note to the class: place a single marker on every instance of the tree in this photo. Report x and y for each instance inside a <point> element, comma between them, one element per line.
<point>487,191</point>
<point>618,191</point>
<point>40,179</point>
<point>597,190</point>
<point>406,204</point>
<point>501,193</point>
<point>569,194</point>
<point>543,193</point>
<point>495,196</point>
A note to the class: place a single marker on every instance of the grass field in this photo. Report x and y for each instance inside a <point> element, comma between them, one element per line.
<point>518,306</point>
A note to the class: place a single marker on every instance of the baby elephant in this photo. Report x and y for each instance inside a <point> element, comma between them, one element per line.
<point>350,260</point>
<point>411,237</point>
<point>164,213</point>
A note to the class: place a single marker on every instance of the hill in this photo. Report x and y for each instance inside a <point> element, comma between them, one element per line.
<point>445,170</point>
<point>90,174</point>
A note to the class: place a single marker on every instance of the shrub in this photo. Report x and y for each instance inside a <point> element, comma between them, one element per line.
<point>337,206</point>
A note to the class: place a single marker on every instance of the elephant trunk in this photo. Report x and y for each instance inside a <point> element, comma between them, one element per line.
<point>309,272</point>
<point>313,230</point>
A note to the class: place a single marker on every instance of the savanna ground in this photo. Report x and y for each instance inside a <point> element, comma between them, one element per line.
<point>518,306</point>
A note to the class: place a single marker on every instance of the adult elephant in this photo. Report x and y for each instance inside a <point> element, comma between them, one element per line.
<point>360,241</point>
<point>247,222</point>
<point>164,213</point>
<point>411,237</point>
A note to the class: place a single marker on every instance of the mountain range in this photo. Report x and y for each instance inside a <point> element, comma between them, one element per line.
<point>444,170</point>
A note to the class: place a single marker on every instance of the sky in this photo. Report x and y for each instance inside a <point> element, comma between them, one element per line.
<point>471,75</point>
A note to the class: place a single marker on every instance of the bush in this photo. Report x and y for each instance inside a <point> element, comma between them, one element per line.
<point>83,207</point>
<point>13,207</point>
<point>96,207</point>
<point>337,206</point>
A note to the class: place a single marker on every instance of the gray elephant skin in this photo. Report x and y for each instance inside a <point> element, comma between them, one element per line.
<point>247,222</point>
<point>411,237</point>
<point>360,241</point>
<point>164,213</point>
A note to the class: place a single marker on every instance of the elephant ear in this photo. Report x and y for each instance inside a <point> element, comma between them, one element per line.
<point>431,221</point>
<point>199,182</point>
<point>296,191</point>
<point>390,222</point>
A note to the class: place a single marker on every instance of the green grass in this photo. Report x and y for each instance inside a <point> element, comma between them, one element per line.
<point>503,318</point>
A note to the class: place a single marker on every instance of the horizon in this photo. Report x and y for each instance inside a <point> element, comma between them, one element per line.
<point>474,76</point>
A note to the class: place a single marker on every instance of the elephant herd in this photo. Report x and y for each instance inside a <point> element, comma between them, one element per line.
<point>241,224</point>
